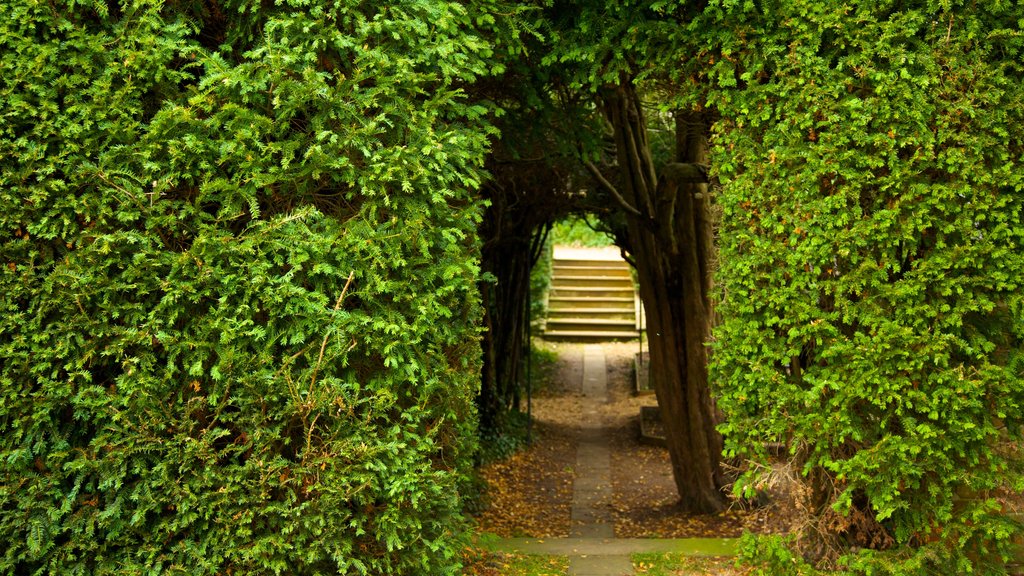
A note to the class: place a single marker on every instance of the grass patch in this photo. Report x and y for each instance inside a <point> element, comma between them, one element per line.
<point>543,365</point>
<point>480,562</point>
<point>674,564</point>
<point>529,565</point>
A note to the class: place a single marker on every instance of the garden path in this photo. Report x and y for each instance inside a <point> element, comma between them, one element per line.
<point>592,548</point>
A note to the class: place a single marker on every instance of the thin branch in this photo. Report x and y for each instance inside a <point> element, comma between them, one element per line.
<point>630,134</point>
<point>323,346</point>
<point>611,189</point>
<point>628,258</point>
<point>637,160</point>
<point>116,187</point>
<point>641,139</point>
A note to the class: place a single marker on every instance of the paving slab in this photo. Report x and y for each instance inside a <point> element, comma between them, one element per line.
<point>592,517</point>
<point>595,528</point>
<point>592,488</point>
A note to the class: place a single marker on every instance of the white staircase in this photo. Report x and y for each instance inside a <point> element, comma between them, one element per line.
<point>592,297</point>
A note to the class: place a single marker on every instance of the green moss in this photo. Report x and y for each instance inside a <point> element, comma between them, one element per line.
<point>673,564</point>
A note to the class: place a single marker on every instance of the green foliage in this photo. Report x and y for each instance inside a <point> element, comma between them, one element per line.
<point>540,282</point>
<point>504,439</point>
<point>577,232</point>
<point>871,268</point>
<point>597,42</point>
<point>771,555</point>
<point>188,383</point>
<point>545,362</point>
<point>510,432</point>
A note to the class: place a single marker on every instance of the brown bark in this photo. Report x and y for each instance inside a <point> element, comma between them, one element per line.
<point>513,233</point>
<point>671,241</point>
<point>508,252</point>
<point>530,188</point>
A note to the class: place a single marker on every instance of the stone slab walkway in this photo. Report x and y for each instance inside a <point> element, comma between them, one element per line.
<point>592,490</point>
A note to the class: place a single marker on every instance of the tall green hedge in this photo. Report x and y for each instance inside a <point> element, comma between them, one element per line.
<point>872,269</point>
<point>188,381</point>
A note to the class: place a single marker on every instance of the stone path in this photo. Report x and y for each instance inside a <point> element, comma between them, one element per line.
<point>592,547</point>
<point>592,490</point>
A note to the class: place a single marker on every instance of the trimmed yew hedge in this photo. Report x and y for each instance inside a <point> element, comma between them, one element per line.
<point>873,273</point>
<point>238,299</point>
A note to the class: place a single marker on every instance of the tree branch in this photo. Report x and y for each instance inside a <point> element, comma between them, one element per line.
<point>640,136</point>
<point>683,173</point>
<point>611,189</point>
<point>636,158</point>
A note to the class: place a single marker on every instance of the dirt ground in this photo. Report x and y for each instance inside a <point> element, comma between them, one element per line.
<point>530,494</point>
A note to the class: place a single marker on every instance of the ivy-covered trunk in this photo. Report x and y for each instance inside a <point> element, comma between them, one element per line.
<point>669,236</point>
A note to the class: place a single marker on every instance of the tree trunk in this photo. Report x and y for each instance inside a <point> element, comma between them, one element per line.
<point>670,238</point>
<point>508,260</point>
<point>513,237</point>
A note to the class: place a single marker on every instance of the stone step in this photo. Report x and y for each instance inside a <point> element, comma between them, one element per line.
<point>626,331</point>
<point>603,264</point>
<point>592,296</point>
<point>596,281</point>
<point>620,313</point>
<point>558,269</point>
<point>592,291</point>
<point>591,324</point>
<point>592,300</point>
<point>589,335</point>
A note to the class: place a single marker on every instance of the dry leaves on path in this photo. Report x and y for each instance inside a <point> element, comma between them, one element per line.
<point>530,494</point>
